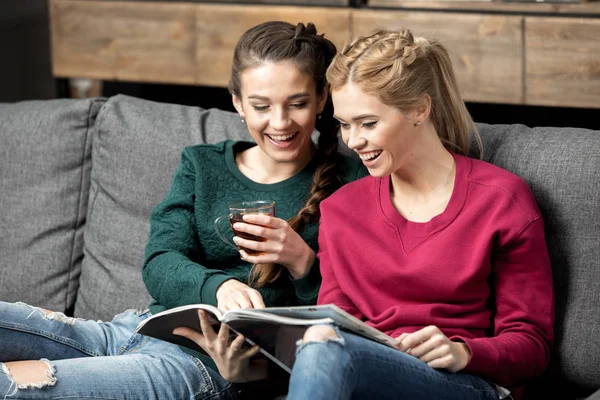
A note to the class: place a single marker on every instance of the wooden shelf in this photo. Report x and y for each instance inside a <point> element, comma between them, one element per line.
<point>182,43</point>
<point>563,62</point>
<point>129,41</point>
<point>219,28</point>
<point>486,50</point>
<point>591,9</point>
<point>502,53</point>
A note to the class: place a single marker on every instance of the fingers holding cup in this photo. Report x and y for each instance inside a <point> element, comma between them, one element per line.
<point>245,219</point>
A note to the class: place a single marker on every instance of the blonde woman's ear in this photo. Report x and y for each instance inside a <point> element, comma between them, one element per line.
<point>423,109</point>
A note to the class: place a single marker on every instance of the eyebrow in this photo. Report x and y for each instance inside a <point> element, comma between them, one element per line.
<point>292,97</point>
<point>358,117</point>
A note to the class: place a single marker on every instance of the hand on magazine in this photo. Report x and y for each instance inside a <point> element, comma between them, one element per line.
<point>283,246</point>
<point>234,294</point>
<point>233,361</point>
<point>430,345</point>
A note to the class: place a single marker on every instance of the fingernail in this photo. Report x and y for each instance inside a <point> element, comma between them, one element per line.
<point>235,239</point>
<point>237,225</point>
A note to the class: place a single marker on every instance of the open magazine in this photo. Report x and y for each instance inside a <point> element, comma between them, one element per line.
<point>275,329</point>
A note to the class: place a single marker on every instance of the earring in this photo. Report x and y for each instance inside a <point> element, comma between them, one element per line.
<point>242,120</point>
<point>418,123</point>
<point>319,116</point>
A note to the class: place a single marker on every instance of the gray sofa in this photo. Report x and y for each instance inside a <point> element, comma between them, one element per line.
<point>79,178</point>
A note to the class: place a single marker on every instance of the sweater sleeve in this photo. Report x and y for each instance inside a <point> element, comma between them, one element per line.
<point>169,273</point>
<point>524,314</point>
<point>307,286</point>
<point>330,292</point>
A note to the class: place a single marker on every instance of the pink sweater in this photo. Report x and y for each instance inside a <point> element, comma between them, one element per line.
<point>479,271</point>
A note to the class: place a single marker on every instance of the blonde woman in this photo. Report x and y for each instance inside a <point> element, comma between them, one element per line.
<point>443,252</point>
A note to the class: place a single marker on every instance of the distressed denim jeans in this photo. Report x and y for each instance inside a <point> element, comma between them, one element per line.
<point>99,360</point>
<point>351,367</point>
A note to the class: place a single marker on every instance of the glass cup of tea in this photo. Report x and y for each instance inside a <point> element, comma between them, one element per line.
<point>236,212</point>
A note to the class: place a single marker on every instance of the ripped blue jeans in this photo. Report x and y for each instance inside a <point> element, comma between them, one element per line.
<point>99,360</point>
<point>351,367</point>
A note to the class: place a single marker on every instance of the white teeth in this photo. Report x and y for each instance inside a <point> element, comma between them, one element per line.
<point>370,155</point>
<point>281,137</point>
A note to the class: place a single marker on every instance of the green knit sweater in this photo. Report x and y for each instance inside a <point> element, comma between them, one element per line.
<point>185,261</point>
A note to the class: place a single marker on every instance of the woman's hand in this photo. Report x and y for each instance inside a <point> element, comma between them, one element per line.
<point>430,345</point>
<point>283,246</point>
<point>233,362</point>
<point>235,294</point>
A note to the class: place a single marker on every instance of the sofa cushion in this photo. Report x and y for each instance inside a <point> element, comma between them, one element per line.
<point>595,396</point>
<point>44,183</point>
<point>561,165</point>
<point>136,150</point>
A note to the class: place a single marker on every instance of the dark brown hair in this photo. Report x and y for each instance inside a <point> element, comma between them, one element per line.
<point>312,53</point>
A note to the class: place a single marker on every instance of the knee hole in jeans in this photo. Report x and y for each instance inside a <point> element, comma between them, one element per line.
<point>320,333</point>
<point>51,315</point>
<point>30,374</point>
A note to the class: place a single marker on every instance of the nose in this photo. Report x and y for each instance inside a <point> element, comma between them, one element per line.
<point>280,120</point>
<point>354,139</point>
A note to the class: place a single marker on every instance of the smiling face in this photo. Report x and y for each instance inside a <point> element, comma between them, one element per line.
<point>280,105</point>
<point>384,137</point>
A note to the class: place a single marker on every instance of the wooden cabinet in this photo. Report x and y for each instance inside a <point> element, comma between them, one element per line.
<point>486,50</point>
<point>219,27</point>
<point>514,53</point>
<point>181,43</point>
<point>129,41</point>
<point>563,62</point>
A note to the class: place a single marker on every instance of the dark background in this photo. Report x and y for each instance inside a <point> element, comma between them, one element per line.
<point>26,74</point>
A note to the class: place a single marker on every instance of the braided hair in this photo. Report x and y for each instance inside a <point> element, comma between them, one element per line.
<point>277,41</point>
<point>399,69</point>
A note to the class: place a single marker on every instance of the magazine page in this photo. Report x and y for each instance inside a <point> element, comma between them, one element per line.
<point>161,325</point>
<point>263,314</point>
<point>277,341</point>
<point>338,316</point>
<point>275,330</point>
<point>276,335</point>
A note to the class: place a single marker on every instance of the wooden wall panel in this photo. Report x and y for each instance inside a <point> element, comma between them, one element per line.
<point>220,26</point>
<point>527,7</point>
<point>134,41</point>
<point>486,50</point>
<point>327,3</point>
<point>515,59</point>
<point>563,62</point>
<point>183,43</point>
